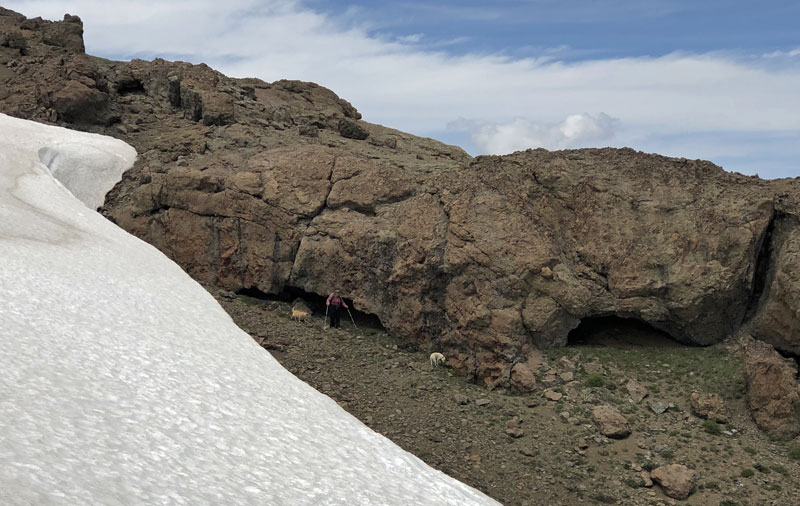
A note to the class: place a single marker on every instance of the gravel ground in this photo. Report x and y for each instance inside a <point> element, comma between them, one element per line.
<point>526,449</point>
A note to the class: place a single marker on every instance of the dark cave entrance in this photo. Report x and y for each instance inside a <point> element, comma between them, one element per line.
<point>791,356</point>
<point>619,333</point>
<point>316,303</point>
<point>130,86</point>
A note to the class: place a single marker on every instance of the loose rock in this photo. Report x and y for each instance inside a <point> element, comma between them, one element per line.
<point>676,480</point>
<point>636,390</point>
<point>710,406</point>
<point>553,396</point>
<point>611,422</point>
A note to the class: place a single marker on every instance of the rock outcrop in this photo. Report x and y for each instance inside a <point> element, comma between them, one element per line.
<point>773,392</point>
<point>269,186</point>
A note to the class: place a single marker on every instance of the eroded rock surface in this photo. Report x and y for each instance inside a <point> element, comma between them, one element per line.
<point>773,392</point>
<point>255,185</point>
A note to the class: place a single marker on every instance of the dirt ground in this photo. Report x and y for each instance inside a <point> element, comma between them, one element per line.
<point>526,449</point>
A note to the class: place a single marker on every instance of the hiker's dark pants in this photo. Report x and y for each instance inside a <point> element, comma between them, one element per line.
<point>334,316</point>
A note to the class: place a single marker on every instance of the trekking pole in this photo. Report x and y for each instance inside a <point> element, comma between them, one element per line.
<point>326,318</point>
<point>351,318</point>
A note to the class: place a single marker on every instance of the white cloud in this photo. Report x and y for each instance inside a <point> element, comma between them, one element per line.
<point>577,130</point>
<point>410,86</point>
<point>783,54</point>
<point>413,38</point>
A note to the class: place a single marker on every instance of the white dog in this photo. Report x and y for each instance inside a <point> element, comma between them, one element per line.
<point>437,359</point>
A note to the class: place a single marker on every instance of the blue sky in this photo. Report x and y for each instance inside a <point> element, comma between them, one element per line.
<point>704,79</point>
<point>583,28</point>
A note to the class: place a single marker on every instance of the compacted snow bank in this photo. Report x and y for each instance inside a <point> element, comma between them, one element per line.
<point>124,382</point>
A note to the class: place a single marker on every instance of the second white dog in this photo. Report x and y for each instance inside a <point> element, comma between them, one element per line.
<point>437,359</point>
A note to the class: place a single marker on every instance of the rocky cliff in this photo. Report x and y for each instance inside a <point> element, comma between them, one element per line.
<point>269,186</point>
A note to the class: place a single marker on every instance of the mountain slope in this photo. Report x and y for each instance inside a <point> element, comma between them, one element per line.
<point>124,382</point>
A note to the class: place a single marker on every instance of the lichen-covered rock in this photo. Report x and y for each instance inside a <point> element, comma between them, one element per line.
<point>710,406</point>
<point>773,392</point>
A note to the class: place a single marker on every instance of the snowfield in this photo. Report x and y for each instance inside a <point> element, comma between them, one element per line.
<point>122,382</point>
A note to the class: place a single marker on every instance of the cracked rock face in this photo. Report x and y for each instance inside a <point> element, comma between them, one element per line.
<point>248,184</point>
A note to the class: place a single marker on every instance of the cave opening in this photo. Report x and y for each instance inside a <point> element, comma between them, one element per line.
<point>290,294</point>
<point>130,86</point>
<point>619,332</point>
<point>791,356</point>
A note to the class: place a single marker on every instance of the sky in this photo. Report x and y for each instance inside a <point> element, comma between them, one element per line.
<point>716,80</point>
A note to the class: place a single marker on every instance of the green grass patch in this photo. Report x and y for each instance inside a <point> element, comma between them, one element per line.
<point>794,452</point>
<point>747,473</point>
<point>595,381</point>
<point>712,368</point>
<point>712,427</point>
<point>253,301</point>
<point>780,469</point>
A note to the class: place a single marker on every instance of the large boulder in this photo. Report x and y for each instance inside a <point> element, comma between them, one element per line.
<point>773,392</point>
<point>79,102</point>
<point>676,480</point>
<point>67,34</point>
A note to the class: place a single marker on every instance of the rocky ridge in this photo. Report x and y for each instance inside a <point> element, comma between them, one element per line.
<point>282,186</point>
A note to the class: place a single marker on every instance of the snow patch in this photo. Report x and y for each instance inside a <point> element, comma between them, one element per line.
<point>88,165</point>
<point>124,382</point>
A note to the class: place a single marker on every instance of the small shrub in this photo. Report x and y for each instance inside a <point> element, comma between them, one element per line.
<point>712,427</point>
<point>749,450</point>
<point>747,473</point>
<point>794,452</point>
<point>711,485</point>
<point>634,482</point>
<point>780,469</point>
<point>761,468</point>
<point>604,498</point>
<point>667,454</point>
<point>594,380</point>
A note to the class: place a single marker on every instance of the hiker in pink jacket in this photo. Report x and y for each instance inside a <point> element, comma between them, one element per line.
<point>335,303</point>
